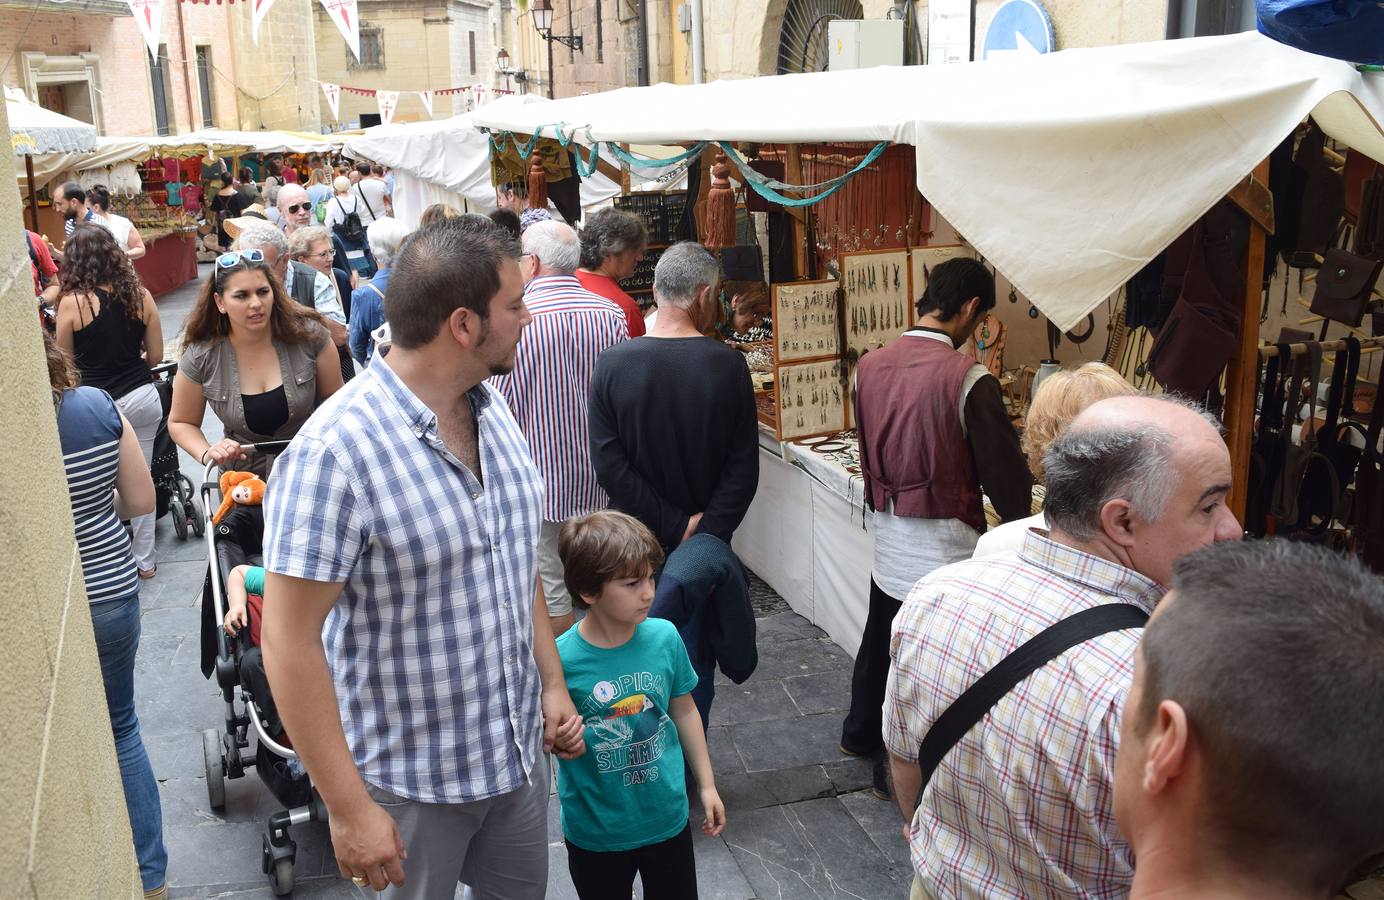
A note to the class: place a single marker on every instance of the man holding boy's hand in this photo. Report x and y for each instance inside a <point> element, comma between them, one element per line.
<point>400,534</point>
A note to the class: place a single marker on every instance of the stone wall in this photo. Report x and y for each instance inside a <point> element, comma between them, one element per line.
<point>426,45</point>
<point>64,831</point>
<point>278,78</point>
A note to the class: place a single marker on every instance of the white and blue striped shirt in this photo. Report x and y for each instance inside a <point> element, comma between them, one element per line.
<point>548,388</point>
<point>89,427</point>
<point>431,642</point>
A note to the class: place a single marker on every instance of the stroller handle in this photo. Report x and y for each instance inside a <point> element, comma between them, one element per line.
<point>169,368</point>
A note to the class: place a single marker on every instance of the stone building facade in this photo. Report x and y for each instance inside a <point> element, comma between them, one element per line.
<point>409,46</point>
<point>90,62</point>
<point>741,37</point>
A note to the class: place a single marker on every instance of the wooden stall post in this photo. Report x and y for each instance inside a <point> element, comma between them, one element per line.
<point>794,169</point>
<point>33,196</point>
<point>1244,365</point>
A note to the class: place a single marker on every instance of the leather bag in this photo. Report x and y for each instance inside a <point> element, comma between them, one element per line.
<point>1266,457</point>
<point>1287,492</point>
<point>1345,285</point>
<point>1330,470</point>
<point>1323,201</point>
<point>1369,228</point>
<point>1368,509</point>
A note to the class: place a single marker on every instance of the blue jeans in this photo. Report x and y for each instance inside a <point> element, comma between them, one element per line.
<point>116,623</point>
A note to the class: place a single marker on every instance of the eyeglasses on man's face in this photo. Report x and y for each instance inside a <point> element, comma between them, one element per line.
<point>297,207</point>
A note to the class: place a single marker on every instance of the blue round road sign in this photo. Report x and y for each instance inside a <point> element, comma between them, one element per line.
<point>1020,28</point>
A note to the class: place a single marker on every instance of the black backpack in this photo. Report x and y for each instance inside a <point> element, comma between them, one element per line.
<point>349,228</point>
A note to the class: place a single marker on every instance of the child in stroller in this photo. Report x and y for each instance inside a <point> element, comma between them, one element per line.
<point>230,641</point>
<point>244,610</point>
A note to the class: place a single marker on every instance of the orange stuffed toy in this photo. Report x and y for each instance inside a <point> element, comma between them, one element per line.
<point>243,488</point>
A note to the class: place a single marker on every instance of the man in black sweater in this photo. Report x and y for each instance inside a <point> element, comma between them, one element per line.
<point>674,435</point>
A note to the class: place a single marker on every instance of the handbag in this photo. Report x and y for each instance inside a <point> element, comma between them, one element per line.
<point>1369,227</point>
<point>1368,509</point>
<point>1345,285</point>
<point>1266,457</point>
<point>1330,470</point>
<point>1287,492</point>
<point>1323,201</point>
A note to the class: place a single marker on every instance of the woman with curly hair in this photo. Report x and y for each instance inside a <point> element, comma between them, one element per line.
<point>108,321</point>
<point>262,361</point>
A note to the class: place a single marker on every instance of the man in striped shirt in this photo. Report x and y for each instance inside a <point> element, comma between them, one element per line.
<point>548,387</point>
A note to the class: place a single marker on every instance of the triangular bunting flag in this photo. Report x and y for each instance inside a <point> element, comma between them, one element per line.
<point>388,100</point>
<point>343,13</point>
<point>259,9</point>
<point>333,92</point>
<point>426,97</point>
<point>149,17</point>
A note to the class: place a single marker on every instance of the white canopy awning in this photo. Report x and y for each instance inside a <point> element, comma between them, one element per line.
<point>1067,171</point>
<point>35,130</point>
<point>453,156</point>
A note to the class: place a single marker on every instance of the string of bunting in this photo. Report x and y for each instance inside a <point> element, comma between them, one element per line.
<point>437,92</point>
<point>768,188</point>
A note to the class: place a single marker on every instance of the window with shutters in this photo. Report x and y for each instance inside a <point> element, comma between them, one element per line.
<point>371,49</point>
<point>471,40</point>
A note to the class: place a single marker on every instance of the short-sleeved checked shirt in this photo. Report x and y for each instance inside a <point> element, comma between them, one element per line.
<point>1022,805</point>
<point>548,388</point>
<point>431,642</point>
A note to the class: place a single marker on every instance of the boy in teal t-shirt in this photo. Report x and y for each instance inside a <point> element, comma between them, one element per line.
<point>624,802</point>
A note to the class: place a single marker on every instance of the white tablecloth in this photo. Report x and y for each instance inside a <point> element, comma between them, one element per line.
<point>804,535</point>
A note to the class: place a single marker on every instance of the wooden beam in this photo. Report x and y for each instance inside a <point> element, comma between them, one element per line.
<point>1244,365</point>
<point>1253,197</point>
<point>793,168</point>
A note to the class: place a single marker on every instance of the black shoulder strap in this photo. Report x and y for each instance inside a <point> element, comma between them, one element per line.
<point>360,190</point>
<point>968,709</point>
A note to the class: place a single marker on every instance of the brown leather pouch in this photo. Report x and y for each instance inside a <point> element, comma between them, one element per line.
<point>1344,285</point>
<point>1190,352</point>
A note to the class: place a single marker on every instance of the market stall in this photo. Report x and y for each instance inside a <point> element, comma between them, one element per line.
<point>449,161</point>
<point>1068,173</point>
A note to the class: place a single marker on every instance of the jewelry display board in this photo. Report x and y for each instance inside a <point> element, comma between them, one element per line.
<point>877,306</point>
<point>805,325</point>
<point>812,400</point>
<point>923,260</point>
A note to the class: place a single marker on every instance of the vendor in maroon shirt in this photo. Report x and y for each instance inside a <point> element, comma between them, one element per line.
<point>612,244</point>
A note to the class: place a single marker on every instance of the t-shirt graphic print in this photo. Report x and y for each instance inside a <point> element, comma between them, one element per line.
<point>628,789</point>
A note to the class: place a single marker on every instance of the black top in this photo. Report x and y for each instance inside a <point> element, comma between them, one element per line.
<point>265,413</point>
<point>229,207</point>
<point>109,347</point>
<point>674,433</point>
<point>343,287</point>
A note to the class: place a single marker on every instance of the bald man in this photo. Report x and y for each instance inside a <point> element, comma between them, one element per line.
<point>294,207</point>
<point>1013,794</point>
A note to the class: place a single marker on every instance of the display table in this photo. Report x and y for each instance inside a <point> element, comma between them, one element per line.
<point>169,262</point>
<point>807,535</point>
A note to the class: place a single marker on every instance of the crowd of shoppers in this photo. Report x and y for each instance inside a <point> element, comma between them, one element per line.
<point>1147,723</point>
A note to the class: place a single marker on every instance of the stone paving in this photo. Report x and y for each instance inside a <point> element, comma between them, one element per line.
<point>802,822</point>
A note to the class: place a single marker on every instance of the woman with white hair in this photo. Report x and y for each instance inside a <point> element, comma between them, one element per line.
<point>367,302</point>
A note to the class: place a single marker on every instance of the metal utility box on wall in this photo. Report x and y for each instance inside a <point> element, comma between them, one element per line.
<point>864,43</point>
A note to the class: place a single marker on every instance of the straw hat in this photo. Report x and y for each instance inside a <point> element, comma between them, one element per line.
<point>253,214</point>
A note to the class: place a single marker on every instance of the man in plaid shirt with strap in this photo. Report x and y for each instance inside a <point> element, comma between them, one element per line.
<point>1021,806</point>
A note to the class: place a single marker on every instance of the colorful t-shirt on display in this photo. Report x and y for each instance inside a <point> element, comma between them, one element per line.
<point>170,169</point>
<point>175,193</point>
<point>629,789</point>
<point>192,195</point>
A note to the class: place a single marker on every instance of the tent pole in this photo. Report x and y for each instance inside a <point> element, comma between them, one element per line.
<point>1244,366</point>
<point>793,167</point>
<point>33,196</point>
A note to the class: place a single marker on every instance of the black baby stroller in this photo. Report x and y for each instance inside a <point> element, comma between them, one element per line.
<point>237,540</point>
<point>172,490</point>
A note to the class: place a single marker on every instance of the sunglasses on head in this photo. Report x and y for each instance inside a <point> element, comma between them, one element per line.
<point>235,257</point>
<point>297,206</point>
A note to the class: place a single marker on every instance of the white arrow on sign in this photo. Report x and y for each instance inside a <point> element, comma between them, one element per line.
<point>1022,48</point>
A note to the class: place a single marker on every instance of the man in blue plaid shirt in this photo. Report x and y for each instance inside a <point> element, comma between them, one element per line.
<point>412,655</point>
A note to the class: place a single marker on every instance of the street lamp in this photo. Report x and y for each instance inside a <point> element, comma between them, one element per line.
<point>502,63</point>
<point>543,24</point>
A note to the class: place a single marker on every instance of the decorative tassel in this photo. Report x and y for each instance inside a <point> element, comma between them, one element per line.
<point>538,182</point>
<point>720,206</point>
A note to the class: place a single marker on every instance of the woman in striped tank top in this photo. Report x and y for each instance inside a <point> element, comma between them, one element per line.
<point>108,480</point>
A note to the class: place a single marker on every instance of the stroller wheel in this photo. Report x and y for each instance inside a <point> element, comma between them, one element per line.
<point>281,877</point>
<point>194,518</point>
<point>216,768</point>
<point>179,513</point>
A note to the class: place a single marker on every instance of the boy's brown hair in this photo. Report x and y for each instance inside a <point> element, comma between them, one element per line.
<point>601,547</point>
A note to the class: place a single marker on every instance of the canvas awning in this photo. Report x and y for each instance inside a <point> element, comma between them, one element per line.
<point>35,130</point>
<point>1067,171</point>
